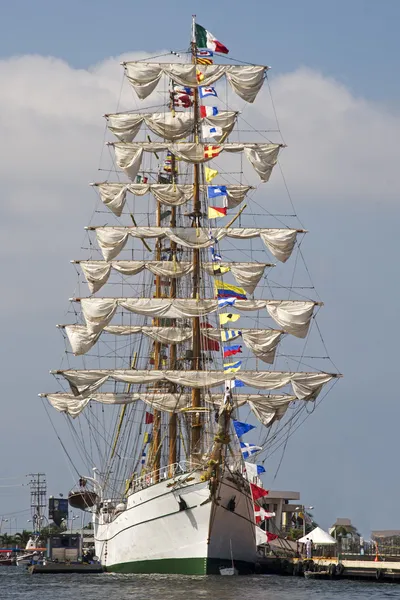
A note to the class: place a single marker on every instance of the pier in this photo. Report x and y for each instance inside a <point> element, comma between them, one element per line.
<point>53,568</point>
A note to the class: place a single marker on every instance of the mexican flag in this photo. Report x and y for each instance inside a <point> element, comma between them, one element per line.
<point>205,39</point>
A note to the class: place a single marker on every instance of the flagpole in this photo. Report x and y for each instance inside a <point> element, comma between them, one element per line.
<point>193,29</point>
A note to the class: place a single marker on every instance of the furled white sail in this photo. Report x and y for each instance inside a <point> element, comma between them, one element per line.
<point>97,272</point>
<point>113,195</point>
<point>263,157</point>
<point>112,240</point>
<point>81,339</point>
<point>268,415</point>
<point>98,312</point>
<point>170,126</point>
<point>262,342</point>
<point>305,385</point>
<point>267,408</point>
<point>247,275</point>
<point>246,80</point>
<point>294,318</point>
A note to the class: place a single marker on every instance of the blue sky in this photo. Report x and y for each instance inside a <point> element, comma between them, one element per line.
<point>355,42</point>
<point>336,89</point>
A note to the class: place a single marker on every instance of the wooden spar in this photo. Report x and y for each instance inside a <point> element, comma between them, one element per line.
<point>196,362</point>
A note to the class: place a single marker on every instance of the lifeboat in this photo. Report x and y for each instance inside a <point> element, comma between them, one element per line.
<point>82,499</point>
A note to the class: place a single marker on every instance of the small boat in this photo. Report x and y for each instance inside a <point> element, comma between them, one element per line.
<point>82,499</point>
<point>317,575</point>
<point>229,570</point>
<point>8,561</point>
<point>32,552</point>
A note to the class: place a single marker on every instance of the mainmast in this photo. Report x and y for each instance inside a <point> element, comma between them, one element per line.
<point>196,358</point>
<point>172,428</point>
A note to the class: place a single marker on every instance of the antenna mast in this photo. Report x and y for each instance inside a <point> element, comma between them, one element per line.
<point>38,499</point>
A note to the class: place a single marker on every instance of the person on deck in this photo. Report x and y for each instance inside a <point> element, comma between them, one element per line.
<point>309,548</point>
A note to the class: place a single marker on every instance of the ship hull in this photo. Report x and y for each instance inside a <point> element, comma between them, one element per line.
<point>178,529</point>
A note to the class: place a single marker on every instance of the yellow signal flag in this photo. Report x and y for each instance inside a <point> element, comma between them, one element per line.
<point>199,76</point>
<point>228,318</point>
<point>220,270</point>
<point>210,174</point>
<point>215,212</point>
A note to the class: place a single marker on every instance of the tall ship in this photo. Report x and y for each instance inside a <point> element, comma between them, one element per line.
<point>188,362</point>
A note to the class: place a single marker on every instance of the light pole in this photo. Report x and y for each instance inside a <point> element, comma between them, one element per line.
<point>2,520</point>
<point>303,509</point>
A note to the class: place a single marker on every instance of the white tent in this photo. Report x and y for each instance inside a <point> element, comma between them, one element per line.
<point>319,537</point>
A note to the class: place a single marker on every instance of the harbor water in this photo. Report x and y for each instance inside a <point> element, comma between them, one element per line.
<point>17,584</point>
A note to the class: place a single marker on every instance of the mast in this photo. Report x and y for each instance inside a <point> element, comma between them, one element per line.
<point>172,427</point>
<point>156,444</point>
<point>196,361</point>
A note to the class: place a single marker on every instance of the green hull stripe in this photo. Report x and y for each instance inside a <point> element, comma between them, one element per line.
<point>181,566</point>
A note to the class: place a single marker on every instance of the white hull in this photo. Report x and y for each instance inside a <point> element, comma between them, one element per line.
<point>154,536</point>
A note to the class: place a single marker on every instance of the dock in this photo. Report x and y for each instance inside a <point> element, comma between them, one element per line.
<point>332,568</point>
<point>53,568</point>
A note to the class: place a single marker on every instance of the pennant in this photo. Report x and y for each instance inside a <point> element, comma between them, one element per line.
<point>228,318</point>
<point>215,257</point>
<point>214,191</point>
<point>261,514</point>
<point>210,131</point>
<point>253,470</point>
<point>233,383</point>
<point>212,151</point>
<point>226,290</point>
<point>218,270</point>
<point>205,39</point>
<point>215,212</point>
<point>209,174</point>
<point>232,350</point>
<point>208,111</point>
<point>204,61</point>
<point>207,91</point>
<point>271,536</point>
<point>146,437</point>
<point>233,367</point>
<point>249,449</point>
<point>229,334</point>
<point>257,491</point>
<point>222,302</point>
<point>203,53</point>
<point>149,418</point>
<point>242,428</point>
